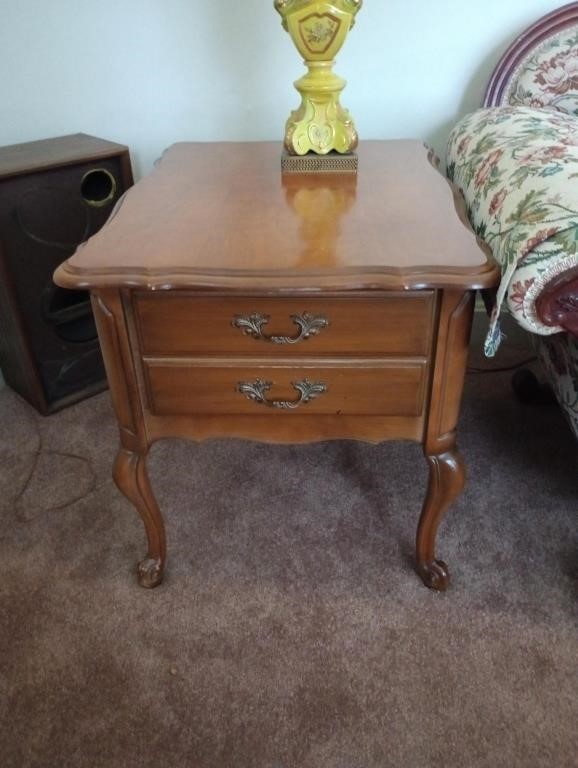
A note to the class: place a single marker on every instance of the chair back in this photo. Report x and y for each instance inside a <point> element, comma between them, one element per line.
<point>540,68</point>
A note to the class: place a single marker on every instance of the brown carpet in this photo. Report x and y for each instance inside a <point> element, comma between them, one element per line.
<point>291,629</point>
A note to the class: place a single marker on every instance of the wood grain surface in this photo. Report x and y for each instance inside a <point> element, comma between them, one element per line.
<point>223,216</point>
<point>360,387</point>
<point>178,323</point>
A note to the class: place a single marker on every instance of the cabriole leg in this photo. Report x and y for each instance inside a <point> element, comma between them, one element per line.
<point>446,482</point>
<point>130,471</point>
<point>131,476</point>
<point>446,467</point>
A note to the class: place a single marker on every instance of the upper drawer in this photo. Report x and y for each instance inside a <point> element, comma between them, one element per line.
<point>181,323</point>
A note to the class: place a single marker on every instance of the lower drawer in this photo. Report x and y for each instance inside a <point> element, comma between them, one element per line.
<point>387,388</point>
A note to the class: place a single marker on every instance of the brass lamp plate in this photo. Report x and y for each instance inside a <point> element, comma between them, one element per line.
<point>333,162</point>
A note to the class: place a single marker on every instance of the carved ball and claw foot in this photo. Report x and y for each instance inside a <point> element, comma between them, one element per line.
<point>150,572</point>
<point>434,575</point>
<point>446,482</point>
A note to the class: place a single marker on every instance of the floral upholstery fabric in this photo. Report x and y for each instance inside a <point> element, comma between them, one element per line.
<point>549,75</point>
<point>517,168</point>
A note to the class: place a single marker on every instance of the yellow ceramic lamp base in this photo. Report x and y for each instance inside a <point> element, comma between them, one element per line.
<point>319,29</point>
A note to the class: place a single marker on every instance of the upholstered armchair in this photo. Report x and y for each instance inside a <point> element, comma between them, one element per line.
<point>516,163</point>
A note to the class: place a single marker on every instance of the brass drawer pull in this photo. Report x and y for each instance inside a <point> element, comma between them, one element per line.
<point>252,325</point>
<point>257,391</point>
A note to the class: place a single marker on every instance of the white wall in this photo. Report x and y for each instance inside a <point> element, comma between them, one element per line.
<point>147,73</point>
<point>151,72</point>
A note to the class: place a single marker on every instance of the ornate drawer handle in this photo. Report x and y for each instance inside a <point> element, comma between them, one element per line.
<point>257,391</point>
<point>252,325</point>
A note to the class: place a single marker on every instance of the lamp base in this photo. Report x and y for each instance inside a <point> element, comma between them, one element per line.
<point>333,162</point>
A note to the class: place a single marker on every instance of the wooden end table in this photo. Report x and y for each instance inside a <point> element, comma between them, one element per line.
<point>234,301</point>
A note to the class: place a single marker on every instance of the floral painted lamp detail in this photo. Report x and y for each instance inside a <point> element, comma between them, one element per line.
<point>319,29</point>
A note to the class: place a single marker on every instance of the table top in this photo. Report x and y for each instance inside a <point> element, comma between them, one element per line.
<point>222,215</point>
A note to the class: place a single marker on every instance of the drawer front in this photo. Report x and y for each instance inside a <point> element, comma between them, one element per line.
<point>209,388</point>
<point>183,324</point>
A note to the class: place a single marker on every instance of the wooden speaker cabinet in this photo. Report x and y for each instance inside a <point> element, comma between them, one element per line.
<point>54,194</point>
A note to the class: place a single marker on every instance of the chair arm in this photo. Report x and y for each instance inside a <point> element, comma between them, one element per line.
<point>517,168</point>
<point>557,305</point>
